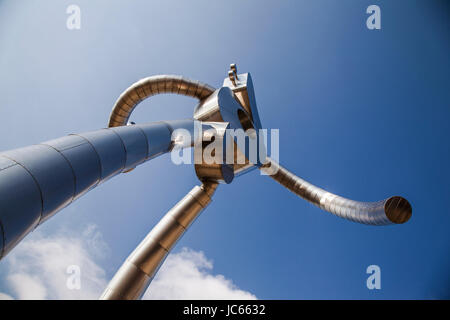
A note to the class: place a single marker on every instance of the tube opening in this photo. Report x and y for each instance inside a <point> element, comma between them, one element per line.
<point>398,209</point>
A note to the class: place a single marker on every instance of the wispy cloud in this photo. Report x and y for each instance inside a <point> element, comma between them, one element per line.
<point>37,269</point>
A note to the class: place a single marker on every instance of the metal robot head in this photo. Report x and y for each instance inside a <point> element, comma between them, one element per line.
<point>235,104</point>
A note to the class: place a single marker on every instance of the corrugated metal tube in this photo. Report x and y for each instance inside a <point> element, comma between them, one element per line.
<point>392,210</point>
<point>154,85</point>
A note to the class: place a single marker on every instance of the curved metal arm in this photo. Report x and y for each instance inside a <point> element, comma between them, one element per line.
<point>136,273</point>
<point>150,86</point>
<point>392,210</point>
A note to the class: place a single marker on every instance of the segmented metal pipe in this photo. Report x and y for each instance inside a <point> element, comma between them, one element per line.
<point>136,273</point>
<point>153,85</point>
<point>39,180</point>
<point>392,210</point>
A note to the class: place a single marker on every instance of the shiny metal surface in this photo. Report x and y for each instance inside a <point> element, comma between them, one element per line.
<point>135,143</point>
<point>136,273</point>
<point>20,204</point>
<point>392,210</point>
<point>56,189</point>
<point>39,180</point>
<point>243,89</point>
<point>223,106</point>
<point>220,106</point>
<point>210,153</point>
<point>83,161</point>
<point>150,86</point>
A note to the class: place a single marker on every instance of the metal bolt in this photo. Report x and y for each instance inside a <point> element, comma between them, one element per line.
<point>232,77</point>
<point>233,68</point>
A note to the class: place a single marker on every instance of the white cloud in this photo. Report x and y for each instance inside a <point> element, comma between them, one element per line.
<point>37,269</point>
<point>27,286</point>
<point>4,296</point>
<point>94,240</point>
<point>187,275</point>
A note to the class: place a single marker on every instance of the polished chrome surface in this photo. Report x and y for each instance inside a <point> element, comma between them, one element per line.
<point>392,210</point>
<point>153,85</point>
<point>223,106</point>
<point>242,87</point>
<point>136,273</point>
<point>220,106</point>
<point>50,175</point>
<point>210,153</point>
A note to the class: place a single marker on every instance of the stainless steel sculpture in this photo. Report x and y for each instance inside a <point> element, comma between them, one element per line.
<point>39,180</point>
<point>138,270</point>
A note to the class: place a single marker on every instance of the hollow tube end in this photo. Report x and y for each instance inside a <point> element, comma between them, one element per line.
<point>397,209</point>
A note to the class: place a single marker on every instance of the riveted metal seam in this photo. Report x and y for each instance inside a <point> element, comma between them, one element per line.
<point>123,145</point>
<point>71,168</point>
<point>155,270</point>
<point>12,165</point>
<point>199,201</point>
<point>172,143</point>
<point>146,139</point>
<point>98,158</point>
<point>37,184</point>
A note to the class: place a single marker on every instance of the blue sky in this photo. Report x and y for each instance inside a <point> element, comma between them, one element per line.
<point>362,113</point>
